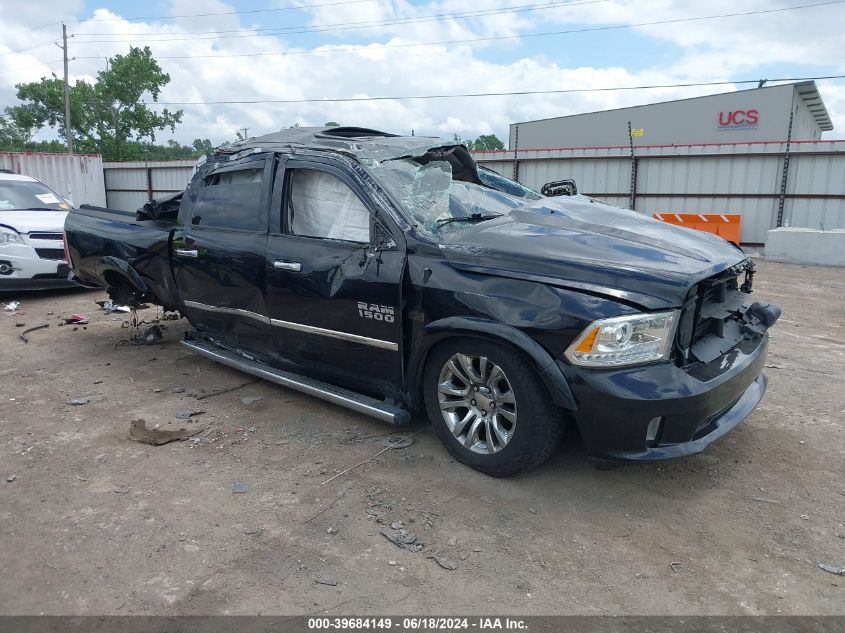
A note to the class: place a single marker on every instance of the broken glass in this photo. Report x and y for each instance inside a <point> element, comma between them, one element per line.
<point>431,195</point>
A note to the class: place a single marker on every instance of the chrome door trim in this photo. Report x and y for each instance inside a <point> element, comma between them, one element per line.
<point>186,252</point>
<point>344,336</point>
<point>300,327</point>
<point>223,310</point>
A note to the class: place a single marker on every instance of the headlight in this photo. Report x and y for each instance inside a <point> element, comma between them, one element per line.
<point>627,340</point>
<point>8,236</point>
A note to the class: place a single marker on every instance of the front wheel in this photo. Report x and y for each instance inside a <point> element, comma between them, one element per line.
<point>489,407</point>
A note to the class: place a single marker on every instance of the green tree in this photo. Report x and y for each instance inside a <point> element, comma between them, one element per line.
<point>106,116</point>
<point>462,141</point>
<point>483,142</point>
<point>202,146</point>
<point>487,142</point>
<point>12,136</point>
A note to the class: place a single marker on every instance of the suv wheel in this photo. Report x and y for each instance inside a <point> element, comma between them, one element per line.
<point>489,407</point>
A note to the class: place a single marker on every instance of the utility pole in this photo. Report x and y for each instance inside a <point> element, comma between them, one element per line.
<point>68,128</point>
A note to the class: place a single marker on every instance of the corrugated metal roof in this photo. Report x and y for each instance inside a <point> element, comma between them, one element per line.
<point>809,92</point>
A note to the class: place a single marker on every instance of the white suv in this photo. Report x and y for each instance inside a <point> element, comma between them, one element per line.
<point>32,220</point>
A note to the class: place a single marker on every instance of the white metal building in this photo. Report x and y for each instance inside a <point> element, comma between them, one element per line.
<point>754,152</point>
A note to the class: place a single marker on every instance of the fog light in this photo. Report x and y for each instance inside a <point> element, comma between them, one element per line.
<point>653,430</point>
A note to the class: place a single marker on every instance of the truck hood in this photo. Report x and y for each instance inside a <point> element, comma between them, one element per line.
<point>29,221</point>
<point>590,246</point>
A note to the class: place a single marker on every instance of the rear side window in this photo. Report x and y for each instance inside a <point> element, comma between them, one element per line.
<point>231,200</point>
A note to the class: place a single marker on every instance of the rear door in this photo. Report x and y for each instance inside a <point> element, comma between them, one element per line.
<point>218,253</point>
<point>334,272</point>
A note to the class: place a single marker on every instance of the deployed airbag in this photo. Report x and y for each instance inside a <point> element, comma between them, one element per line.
<point>321,205</point>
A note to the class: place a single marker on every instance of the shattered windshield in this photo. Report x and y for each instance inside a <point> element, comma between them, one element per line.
<point>438,203</point>
<point>495,180</point>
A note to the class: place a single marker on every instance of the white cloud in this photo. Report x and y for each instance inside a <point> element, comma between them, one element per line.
<point>709,50</point>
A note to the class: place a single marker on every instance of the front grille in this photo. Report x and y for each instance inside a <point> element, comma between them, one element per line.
<point>51,253</point>
<point>46,236</point>
<point>712,313</point>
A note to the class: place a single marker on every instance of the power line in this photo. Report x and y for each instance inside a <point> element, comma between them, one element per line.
<point>13,70</point>
<point>205,15</point>
<point>28,48</point>
<point>193,15</point>
<point>342,26</point>
<point>492,94</point>
<point>346,48</point>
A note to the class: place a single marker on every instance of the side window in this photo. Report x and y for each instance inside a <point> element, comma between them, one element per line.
<point>231,200</point>
<point>321,205</point>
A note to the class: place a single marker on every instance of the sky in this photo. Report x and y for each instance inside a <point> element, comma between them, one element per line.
<point>261,50</point>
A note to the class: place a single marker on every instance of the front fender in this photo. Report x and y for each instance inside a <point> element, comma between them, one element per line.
<point>533,352</point>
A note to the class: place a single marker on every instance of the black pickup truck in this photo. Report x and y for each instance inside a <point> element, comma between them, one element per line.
<point>393,276</point>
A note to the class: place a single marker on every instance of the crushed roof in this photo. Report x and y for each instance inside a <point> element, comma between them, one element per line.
<point>359,142</point>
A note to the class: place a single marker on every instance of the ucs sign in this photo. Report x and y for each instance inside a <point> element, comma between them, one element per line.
<point>739,120</point>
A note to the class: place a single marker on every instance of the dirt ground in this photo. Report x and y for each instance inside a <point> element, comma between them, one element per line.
<point>93,523</point>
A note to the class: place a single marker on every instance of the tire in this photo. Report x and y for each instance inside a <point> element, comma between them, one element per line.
<point>522,427</point>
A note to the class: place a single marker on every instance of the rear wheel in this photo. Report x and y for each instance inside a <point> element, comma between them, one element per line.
<point>489,407</point>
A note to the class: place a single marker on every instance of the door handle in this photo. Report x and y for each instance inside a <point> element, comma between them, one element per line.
<point>282,265</point>
<point>186,252</point>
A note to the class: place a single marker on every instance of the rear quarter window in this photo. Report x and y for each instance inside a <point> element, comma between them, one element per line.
<point>231,200</point>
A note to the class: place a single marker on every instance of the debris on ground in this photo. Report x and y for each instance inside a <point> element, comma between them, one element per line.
<point>254,531</point>
<point>238,487</point>
<point>325,581</point>
<point>187,415</point>
<point>79,401</point>
<point>833,569</point>
<point>250,399</point>
<point>445,563</point>
<point>396,442</point>
<point>20,324</point>
<point>150,336</point>
<point>110,306</point>
<point>76,319</point>
<point>211,394</point>
<point>11,478</point>
<point>32,329</point>
<point>765,500</point>
<point>673,565</point>
<point>11,306</point>
<point>139,432</point>
<point>330,530</point>
<point>403,539</point>
<point>369,459</point>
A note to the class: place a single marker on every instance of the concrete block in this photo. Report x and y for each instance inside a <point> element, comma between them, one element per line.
<point>806,246</point>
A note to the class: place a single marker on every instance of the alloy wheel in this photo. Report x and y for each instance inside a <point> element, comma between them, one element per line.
<point>477,403</point>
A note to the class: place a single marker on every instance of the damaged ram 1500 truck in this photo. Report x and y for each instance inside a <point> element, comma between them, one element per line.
<point>390,275</point>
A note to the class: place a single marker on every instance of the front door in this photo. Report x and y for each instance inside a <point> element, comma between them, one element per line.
<point>333,279</point>
<point>218,255</point>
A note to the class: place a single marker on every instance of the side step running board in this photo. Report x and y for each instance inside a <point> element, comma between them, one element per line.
<point>312,387</point>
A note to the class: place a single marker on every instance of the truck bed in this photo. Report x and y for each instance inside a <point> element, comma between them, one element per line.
<point>114,249</point>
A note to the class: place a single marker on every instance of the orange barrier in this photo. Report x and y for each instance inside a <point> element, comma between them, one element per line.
<point>724,225</point>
